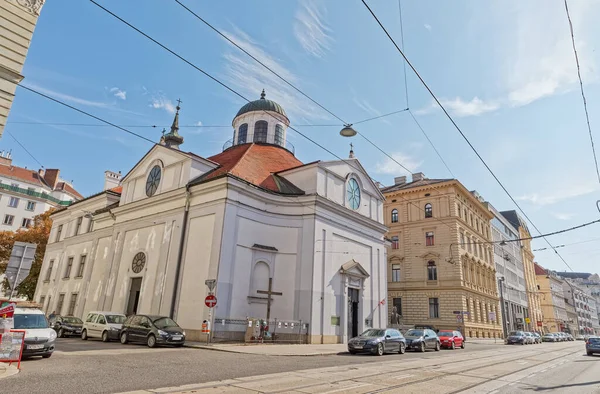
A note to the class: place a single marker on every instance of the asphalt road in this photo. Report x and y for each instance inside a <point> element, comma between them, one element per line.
<point>95,367</point>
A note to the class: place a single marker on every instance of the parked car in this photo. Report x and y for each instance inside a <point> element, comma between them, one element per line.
<point>378,341</point>
<point>562,336</point>
<point>537,337</point>
<point>451,339</point>
<point>592,345</point>
<point>39,336</point>
<point>529,338</point>
<point>517,337</point>
<point>152,330</point>
<point>569,337</point>
<point>549,337</point>
<point>579,338</point>
<point>104,325</point>
<point>66,325</point>
<point>422,339</point>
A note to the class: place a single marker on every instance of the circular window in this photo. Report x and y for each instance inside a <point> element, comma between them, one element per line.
<point>139,260</point>
<point>153,181</point>
<point>353,194</point>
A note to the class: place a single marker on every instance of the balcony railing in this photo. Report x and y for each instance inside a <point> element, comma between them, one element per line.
<point>29,192</point>
<point>288,146</point>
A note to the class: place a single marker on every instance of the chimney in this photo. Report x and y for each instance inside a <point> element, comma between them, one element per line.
<point>5,158</point>
<point>51,177</point>
<point>399,180</point>
<point>418,176</point>
<point>111,179</point>
<point>41,172</point>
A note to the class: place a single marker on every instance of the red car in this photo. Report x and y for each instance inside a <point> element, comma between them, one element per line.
<point>451,339</point>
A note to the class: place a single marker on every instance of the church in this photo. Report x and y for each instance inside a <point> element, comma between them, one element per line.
<point>299,244</point>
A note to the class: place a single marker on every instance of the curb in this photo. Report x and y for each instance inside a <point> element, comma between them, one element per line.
<point>263,354</point>
<point>9,371</point>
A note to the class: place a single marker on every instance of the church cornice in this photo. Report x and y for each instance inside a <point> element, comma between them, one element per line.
<point>32,6</point>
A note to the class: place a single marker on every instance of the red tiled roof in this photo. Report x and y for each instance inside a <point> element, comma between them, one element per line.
<point>22,174</point>
<point>67,188</point>
<point>539,270</point>
<point>117,189</point>
<point>255,163</point>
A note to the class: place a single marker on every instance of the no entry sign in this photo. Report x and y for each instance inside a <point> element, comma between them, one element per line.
<point>210,301</point>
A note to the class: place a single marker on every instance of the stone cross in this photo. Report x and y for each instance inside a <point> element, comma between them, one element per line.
<point>269,293</point>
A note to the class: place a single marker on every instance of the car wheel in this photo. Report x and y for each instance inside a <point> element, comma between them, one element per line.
<point>123,338</point>
<point>151,342</point>
<point>590,353</point>
<point>61,333</point>
<point>437,346</point>
<point>452,345</point>
<point>462,345</point>
<point>105,336</point>
<point>84,335</point>
<point>47,355</point>
<point>422,348</point>
<point>523,343</point>
<point>402,348</point>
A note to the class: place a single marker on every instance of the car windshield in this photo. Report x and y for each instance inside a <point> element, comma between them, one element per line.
<point>594,340</point>
<point>414,333</point>
<point>445,334</point>
<point>28,321</point>
<point>163,322</point>
<point>115,319</point>
<point>516,333</point>
<point>72,320</point>
<point>373,333</point>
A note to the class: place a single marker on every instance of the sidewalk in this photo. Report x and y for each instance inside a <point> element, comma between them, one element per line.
<point>7,370</point>
<point>301,350</point>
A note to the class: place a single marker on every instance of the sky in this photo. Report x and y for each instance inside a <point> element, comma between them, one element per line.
<point>505,70</point>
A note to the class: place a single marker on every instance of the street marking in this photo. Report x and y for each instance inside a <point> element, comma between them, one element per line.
<point>403,376</point>
<point>347,388</point>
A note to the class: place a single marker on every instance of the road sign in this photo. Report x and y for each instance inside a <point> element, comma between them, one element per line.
<point>459,318</point>
<point>210,301</point>
<point>19,264</point>
<point>527,320</point>
<point>457,312</point>
<point>210,283</point>
<point>539,323</point>
<point>492,316</point>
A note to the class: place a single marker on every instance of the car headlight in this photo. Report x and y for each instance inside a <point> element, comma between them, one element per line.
<point>52,336</point>
<point>114,329</point>
<point>184,333</point>
<point>372,342</point>
<point>163,333</point>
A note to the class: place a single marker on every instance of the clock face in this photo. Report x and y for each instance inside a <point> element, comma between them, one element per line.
<point>139,260</point>
<point>153,181</point>
<point>353,194</point>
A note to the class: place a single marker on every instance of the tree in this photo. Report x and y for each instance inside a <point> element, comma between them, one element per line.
<point>36,234</point>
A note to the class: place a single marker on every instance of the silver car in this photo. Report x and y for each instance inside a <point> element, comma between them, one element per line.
<point>104,325</point>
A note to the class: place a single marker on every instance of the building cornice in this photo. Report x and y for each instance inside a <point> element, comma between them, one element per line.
<point>32,6</point>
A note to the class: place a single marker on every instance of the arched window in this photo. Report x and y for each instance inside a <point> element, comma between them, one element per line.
<point>260,131</point>
<point>242,134</point>
<point>260,278</point>
<point>394,216</point>
<point>428,211</point>
<point>431,271</point>
<point>279,135</point>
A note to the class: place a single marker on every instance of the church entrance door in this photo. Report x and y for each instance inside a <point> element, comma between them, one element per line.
<point>352,312</point>
<point>134,296</point>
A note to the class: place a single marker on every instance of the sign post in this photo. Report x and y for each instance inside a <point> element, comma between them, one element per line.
<point>210,301</point>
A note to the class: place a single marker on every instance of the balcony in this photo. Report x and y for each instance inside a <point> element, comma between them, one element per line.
<point>288,146</point>
<point>29,192</point>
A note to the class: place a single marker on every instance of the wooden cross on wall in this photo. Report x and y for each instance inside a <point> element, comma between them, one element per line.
<point>269,293</point>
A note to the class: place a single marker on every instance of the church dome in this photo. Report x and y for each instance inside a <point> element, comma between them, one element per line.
<point>262,104</point>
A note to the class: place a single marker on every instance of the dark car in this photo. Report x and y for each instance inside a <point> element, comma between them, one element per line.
<point>66,325</point>
<point>152,330</point>
<point>592,345</point>
<point>422,339</point>
<point>378,341</point>
<point>517,338</point>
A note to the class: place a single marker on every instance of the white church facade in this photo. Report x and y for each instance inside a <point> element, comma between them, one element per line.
<point>253,217</point>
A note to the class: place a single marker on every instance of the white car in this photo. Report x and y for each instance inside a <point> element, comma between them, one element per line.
<point>39,337</point>
<point>105,325</point>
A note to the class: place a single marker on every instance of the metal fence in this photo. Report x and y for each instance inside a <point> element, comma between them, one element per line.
<point>254,330</point>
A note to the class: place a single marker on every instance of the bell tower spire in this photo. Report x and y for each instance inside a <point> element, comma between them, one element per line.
<point>172,139</point>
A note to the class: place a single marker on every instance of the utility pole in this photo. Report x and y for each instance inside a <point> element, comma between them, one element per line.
<point>501,285</point>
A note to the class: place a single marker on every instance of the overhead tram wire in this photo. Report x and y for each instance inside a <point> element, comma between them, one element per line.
<point>460,130</point>
<point>244,98</point>
<point>404,63</point>
<point>25,149</point>
<point>431,143</point>
<point>585,108</point>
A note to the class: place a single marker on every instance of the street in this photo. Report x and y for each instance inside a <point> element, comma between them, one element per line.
<point>96,367</point>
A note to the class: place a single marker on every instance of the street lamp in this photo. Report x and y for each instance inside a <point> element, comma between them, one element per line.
<point>348,131</point>
<point>501,285</point>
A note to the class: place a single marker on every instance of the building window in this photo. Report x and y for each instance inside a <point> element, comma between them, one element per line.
<point>260,131</point>
<point>243,133</point>
<point>49,271</point>
<point>72,303</point>
<point>429,238</point>
<point>30,205</point>
<point>81,266</point>
<point>465,216</point>
<point>397,303</point>
<point>58,232</point>
<point>13,202</point>
<point>26,223</point>
<point>458,209</point>
<point>42,300</point>
<point>8,220</point>
<point>462,241</point>
<point>279,135</point>
<point>428,211</point>
<point>78,225</point>
<point>434,308</point>
<point>59,305</point>
<point>394,216</point>
<point>469,245</point>
<point>395,242</point>
<point>68,269</point>
<point>431,271</point>
<point>395,272</point>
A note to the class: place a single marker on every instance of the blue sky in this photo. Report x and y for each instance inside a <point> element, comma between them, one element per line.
<point>504,69</point>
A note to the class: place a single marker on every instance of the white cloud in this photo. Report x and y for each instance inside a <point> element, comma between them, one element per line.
<point>198,123</point>
<point>159,101</point>
<point>119,93</point>
<point>250,78</point>
<point>427,26</point>
<point>560,194</point>
<point>390,167</point>
<point>68,98</point>
<point>562,215</point>
<point>310,30</point>
<point>475,107</point>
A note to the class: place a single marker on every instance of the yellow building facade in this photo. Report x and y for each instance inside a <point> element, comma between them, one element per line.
<point>440,265</point>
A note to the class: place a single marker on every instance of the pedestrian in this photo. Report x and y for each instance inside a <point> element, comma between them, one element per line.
<point>52,315</point>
